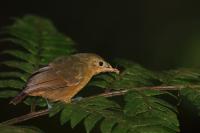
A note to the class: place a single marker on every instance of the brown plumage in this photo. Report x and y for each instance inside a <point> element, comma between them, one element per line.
<point>64,77</point>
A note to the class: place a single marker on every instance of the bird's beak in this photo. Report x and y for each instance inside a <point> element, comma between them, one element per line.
<point>111,69</point>
<point>116,70</point>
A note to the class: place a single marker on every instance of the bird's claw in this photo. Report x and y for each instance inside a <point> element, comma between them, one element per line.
<point>48,105</point>
<point>77,99</point>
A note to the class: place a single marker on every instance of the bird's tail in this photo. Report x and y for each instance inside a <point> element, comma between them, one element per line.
<point>18,98</point>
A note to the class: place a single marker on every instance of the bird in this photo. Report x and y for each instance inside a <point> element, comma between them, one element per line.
<point>64,77</point>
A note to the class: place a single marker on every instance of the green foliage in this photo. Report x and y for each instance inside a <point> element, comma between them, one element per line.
<point>142,113</point>
<point>19,129</point>
<point>181,77</point>
<point>150,114</point>
<point>132,75</point>
<point>36,42</point>
<point>190,80</point>
<point>193,96</point>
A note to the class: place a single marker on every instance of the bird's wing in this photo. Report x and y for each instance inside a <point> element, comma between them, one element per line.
<point>55,76</point>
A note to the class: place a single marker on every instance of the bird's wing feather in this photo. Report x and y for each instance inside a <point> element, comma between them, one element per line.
<point>56,75</point>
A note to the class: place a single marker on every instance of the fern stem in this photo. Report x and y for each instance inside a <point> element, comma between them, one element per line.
<point>159,88</point>
<point>25,117</point>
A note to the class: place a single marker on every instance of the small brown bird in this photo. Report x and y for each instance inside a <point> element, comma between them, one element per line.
<point>63,78</point>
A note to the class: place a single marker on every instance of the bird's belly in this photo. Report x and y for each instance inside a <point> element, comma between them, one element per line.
<point>62,94</point>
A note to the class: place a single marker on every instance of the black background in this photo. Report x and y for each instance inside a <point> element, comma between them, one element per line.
<point>158,34</point>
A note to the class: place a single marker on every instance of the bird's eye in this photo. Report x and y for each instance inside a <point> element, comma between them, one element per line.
<point>100,63</point>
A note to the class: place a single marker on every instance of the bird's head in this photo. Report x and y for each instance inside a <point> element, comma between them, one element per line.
<point>97,64</point>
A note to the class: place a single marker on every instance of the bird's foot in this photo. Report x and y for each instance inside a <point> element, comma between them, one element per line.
<point>76,99</point>
<point>48,105</point>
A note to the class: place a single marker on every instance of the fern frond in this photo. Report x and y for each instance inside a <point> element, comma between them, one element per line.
<point>189,78</point>
<point>142,113</point>
<point>193,96</point>
<point>90,110</point>
<point>150,113</point>
<point>37,42</point>
<point>181,77</point>
<point>132,76</point>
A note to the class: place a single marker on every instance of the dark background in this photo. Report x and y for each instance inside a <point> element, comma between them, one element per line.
<point>157,34</point>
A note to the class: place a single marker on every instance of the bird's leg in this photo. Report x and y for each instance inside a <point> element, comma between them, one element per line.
<point>33,105</point>
<point>48,104</point>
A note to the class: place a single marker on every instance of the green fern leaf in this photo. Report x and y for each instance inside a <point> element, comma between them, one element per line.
<point>13,75</point>
<point>91,121</point>
<point>16,84</point>
<point>8,93</point>
<point>65,114</point>
<point>107,125</point>
<point>21,55</point>
<point>19,129</point>
<point>181,77</point>
<point>100,103</point>
<point>24,66</point>
<point>119,128</point>
<point>77,115</point>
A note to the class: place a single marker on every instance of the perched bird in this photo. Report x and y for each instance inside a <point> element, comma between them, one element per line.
<point>64,77</point>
